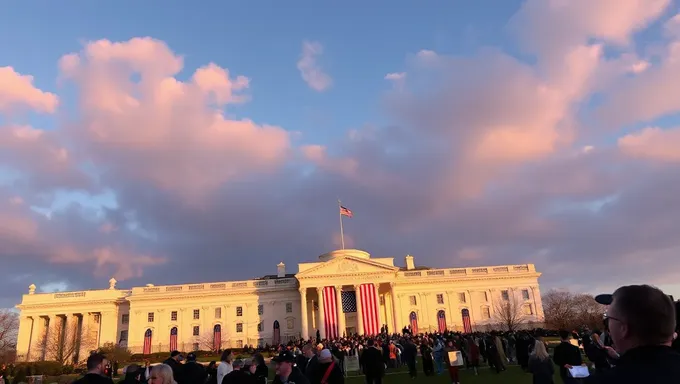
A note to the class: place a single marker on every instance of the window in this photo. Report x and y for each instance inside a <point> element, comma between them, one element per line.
<point>260,309</point>
<point>260,326</point>
<point>289,307</point>
<point>239,327</point>
<point>239,311</point>
<point>218,313</point>
<point>505,295</point>
<point>196,346</point>
<point>527,309</point>
<point>197,314</point>
<point>197,330</point>
<point>149,317</point>
<point>486,313</point>
<point>97,317</point>
<point>173,316</point>
<point>412,300</point>
<point>239,343</point>
<point>461,297</point>
<point>123,337</point>
<point>290,323</point>
<point>525,294</point>
<point>440,298</point>
<point>125,319</point>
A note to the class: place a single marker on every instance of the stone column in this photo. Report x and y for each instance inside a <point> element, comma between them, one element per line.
<point>322,320</point>
<point>377,305</point>
<point>341,314</point>
<point>360,316</point>
<point>395,311</point>
<point>303,308</point>
<point>451,315</point>
<point>25,338</point>
<point>426,312</point>
<point>538,304</point>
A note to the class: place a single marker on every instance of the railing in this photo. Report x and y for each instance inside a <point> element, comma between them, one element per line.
<point>66,295</point>
<point>288,282</point>
<point>502,269</point>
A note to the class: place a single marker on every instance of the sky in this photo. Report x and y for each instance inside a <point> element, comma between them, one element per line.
<point>174,143</point>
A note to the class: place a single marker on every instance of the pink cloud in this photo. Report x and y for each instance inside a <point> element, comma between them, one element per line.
<point>309,68</point>
<point>18,91</point>
<point>652,143</point>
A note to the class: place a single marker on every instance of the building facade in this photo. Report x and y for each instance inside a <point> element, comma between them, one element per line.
<point>344,292</point>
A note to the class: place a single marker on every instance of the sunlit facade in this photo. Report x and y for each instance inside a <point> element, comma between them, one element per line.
<point>344,292</point>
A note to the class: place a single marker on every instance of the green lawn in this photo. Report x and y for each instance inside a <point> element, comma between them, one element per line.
<point>513,375</point>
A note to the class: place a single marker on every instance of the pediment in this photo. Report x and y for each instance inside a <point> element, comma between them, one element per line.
<point>347,265</point>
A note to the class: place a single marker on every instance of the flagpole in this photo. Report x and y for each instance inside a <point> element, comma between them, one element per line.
<point>342,231</point>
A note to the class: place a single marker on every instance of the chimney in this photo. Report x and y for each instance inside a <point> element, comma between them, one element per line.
<point>410,265</point>
<point>281,270</point>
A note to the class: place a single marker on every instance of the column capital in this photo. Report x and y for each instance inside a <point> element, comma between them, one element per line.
<point>319,290</point>
<point>338,288</point>
<point>392,284</point>
<point>303,291</point>
<point>357,286</point>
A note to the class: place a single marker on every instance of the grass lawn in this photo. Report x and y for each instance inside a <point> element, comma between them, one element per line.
<point>513,375</point>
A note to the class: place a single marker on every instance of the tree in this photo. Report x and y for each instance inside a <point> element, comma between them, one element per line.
<point>568,310</point>
<point>9,330</point>
<point>115,352</point>
<point>64,343</point>
<point>509,313</point>
<point>206,342</point>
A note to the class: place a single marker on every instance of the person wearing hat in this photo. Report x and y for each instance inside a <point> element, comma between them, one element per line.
<point>174,362</point>
<point>286,372</point>
<point>193,371</point>
<point>328,371</point>
<point>641,320</point>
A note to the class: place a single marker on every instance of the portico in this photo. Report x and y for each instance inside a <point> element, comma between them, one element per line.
<point>346,293</point>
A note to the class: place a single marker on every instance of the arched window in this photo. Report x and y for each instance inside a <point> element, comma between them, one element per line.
<point>276,336</point>
<point>217,337</point>
<point>173,339</point>
<point>467,325</point>
<point>147,342</point>
<point>413,321</point>
<point>441,320</point>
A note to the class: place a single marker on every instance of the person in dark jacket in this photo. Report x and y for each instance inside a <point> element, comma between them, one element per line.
<point>540,365</point>
<point>410,354</point>
<point>211,370</point>
<point>239,375</point>
<point>641,321</point>
<point>566,356</point>
<point>596,352</point>
<point>428,360</point>
<point>329,371</point>
<point>174,362</point>
<point>372,364</point>
<point>133,374</point>
<point>286,372</point>
<point>96,363</point>
<point>261,369</point>
<point>193,372</point>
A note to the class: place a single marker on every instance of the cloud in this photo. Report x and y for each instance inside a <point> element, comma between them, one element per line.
<point>18,91</point>
<point>653,143</point>
<point>397,79</point>
<point>309,68</point>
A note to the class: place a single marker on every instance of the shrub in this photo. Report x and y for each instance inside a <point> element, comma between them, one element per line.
<point>47,368</point>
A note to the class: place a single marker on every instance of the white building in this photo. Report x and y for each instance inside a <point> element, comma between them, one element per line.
<point>284,306</point>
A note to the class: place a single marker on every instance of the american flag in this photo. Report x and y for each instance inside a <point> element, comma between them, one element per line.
<point>147,342</point>
<point>467,326</point>
<point>441,320</point>
<point>369,309</point>
<point>173,339</point>
<point>413,318</point>
<point>276,337</point>
<point>217,337</point>
<point>330,312</point>
<point>346,212</point>
<point>349,301</point>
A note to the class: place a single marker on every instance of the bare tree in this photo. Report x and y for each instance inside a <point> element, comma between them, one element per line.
<point>509,313</point>
<point>64,343</point>
<point>567,310</point>
<point>206,342</point>
<point>9,330</point>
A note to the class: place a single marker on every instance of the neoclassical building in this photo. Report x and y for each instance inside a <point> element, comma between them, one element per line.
<point>344,292</point>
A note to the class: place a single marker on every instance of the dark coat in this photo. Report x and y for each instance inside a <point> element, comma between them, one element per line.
<point>543,370</point>
<point>649,365</point>
<point>295,376</point>
<point>335,377</point>
<point>238,376</point>
<point>176,369</point>
<point>372,362</point>
<point>567,353</point>
<point>193,372</point>
<point>93,378</point>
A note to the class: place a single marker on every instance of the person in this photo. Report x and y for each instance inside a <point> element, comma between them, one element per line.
<point>372,364</point>
<point>193,372</point>
<point>566,356</point>
<point>410,354</point>
<point>473,355</point>
<point>162,374</point>
<point>596,352</point>
<point>225,366</point>
<point>285,371</point>
<point>438,352</point>
<point>133,374</point>
<point>147,371</point>
<point>174,362</point>
<point>309,362</point>
<point>428,362</point>
<point>238,375</point>
<point>540,364</point>
<point>261,369</point>
<point>453,369</point>
<point>328,371</point>
<point>96,364</point>
<point>641,320</point>
<point>211,370</point>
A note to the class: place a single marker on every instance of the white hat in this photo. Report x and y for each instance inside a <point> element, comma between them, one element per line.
<point>325,354</point>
